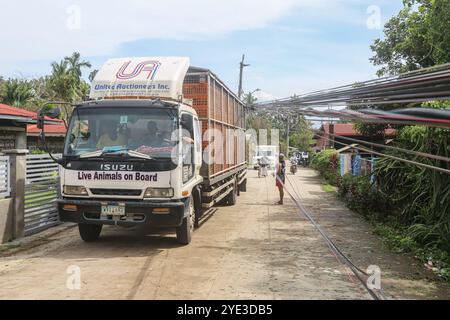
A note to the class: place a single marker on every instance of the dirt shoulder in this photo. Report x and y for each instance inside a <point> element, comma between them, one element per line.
<point>254,250</point>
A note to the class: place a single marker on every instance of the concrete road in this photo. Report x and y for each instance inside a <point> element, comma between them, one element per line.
<point>254,250</point>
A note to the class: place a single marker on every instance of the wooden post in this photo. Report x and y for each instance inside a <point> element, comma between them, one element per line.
<point>18,177</point>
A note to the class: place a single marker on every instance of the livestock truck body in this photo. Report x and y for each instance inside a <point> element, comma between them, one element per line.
<point>158,143</point>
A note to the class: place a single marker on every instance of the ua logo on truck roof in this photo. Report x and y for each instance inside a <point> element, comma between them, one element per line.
<point>145,66</point>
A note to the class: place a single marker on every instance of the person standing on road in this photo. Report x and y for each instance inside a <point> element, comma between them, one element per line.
<point>263,163</point>
<point>280,175</point>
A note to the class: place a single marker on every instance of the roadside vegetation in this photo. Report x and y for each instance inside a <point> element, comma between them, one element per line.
<point>408,205</point>
<point>328,188</point>
<point>327,163</point>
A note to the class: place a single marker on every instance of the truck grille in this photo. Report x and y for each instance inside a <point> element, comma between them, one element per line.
<point>116,192</point>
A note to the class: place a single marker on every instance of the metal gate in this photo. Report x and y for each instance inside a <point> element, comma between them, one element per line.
<point>5,181</point>
<point>41,192</point>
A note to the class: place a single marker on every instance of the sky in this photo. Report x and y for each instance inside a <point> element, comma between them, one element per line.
<point>292,46</point>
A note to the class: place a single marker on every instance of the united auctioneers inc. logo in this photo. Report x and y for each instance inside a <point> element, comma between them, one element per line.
<point>145,66</point>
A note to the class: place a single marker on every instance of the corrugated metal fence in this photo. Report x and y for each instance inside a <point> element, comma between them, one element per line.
<point>5,181</point>
<point>357,166</point>
<point>41,192</point>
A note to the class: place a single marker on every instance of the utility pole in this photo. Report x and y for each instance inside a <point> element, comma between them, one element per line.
<point>331,131</point>
<point>242,65</point>
<point>287,137</point>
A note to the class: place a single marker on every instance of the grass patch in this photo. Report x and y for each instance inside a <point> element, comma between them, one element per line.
<point>328,188</point>
<point>399,241</point>
<point>8,246</point>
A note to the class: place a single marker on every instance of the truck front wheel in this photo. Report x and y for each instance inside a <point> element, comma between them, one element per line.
<point>89,232</point>
<point>184,232</point>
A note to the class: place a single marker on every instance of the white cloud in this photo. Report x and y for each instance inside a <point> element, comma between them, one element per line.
<point>265,96</point>
<point>49,29</point>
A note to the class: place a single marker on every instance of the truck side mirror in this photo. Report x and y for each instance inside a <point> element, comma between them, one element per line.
<point>53,114</point>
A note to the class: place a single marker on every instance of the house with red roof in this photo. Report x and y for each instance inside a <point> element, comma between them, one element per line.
<point>347,130</point>
<point>18,130</point>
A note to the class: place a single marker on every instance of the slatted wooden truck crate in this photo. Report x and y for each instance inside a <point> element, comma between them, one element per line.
<point>221,112</point>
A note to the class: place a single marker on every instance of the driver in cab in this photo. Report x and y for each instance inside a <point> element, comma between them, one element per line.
<point>152,138</point>
<point>111,137</point>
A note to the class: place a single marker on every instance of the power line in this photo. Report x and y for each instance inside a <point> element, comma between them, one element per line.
<point>391,157</point>
<point>431,117</point>
<point>413,87</point>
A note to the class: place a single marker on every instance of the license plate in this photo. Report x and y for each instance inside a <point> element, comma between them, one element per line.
<point>113,210</point>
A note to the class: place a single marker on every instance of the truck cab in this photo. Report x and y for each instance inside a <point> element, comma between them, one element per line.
<point>131,162</point>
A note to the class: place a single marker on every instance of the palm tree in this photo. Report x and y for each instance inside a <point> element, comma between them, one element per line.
<point>62,83</point>
<point>59,69</point>
<point>250,99</point>
<point>75,65</point>
<point>2,87</point>
<point>17,93</point>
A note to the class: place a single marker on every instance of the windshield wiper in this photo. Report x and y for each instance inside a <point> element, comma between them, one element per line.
<point>115,151</point>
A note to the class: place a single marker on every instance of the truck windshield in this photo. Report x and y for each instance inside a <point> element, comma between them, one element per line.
<point>146,130</point>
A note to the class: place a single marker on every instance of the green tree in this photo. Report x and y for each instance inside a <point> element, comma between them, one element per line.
<point>17,93</point>
<point>74,66</point>
<point>62,82</point>
<point>302,137</point>
<point>2,87</point>
<point>250,99</point>
<point>65,81</point>
<point>418,37</point>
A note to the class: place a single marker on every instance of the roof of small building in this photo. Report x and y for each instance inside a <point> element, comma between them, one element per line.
<point>54,127</point>
<point>348,130</point>
<point>55,130</point>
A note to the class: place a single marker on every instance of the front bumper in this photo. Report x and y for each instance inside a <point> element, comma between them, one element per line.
<point>136,213</point>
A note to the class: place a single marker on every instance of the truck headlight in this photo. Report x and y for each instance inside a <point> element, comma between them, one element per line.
<point>158,193</point>
<point>75,190</point>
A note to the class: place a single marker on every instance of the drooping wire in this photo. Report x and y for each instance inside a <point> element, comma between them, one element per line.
<point>417,153</point>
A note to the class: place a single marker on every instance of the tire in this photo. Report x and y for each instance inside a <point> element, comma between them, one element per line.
<point>243,186</point>
<point>197,209</point>
<point>231,198</point>
<point>89,232</point>
<point>184,232</point>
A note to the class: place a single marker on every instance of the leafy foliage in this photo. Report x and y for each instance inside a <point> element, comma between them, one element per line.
<point>249,99</point>
<point>418,37</point>
<point>377,207</point>
<point>17,92</point>
<point>327,163</point>
<point>422,195</point>
<point>363,197</point>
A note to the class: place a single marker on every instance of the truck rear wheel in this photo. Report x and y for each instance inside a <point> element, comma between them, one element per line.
<point>184,232</point>
<point>89,232</point>
<point>243,186</point>
<point>231,197</point>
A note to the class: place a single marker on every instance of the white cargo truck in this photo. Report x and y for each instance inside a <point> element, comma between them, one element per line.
<point>157,144</point>
<point>269,151</point>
